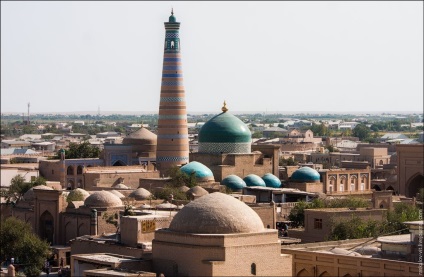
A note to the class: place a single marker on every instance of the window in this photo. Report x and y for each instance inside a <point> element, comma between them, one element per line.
<point>352,187</point>
<point>362,186</point>
<point>342,187</point>
<point>318,223</point>
<point>253,269</point>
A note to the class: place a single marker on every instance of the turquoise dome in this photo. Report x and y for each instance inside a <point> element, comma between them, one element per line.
<point>172,18</point>
<point>225,133</point>
<point>202,172</point>
<point>305,175</point>
<point>225,127</point>
<point>271,181</point>
<point>253,180</point>
<point>233,182</point>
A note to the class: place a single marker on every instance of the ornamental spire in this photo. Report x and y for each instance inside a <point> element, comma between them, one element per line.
<point>224,108</point>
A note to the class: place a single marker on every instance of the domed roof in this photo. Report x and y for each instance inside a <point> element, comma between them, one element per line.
<point>271,181</point>
<point>166,205</point>
<point>305,174</point>
<point>183,188</point>
<point>140,194</point>
<point>83,192</point>
<point>216,213</point>
<point>43,187</point>
<point>197,191</point>
<point>253,180</point>
<point>120,186</point>
<point>201,171</point>
<point>117,193</point>
<point>30,195</point>
<point>225,128</point>
<point>172,18</point>
<point>141,136</point>
<point>102,199</point>
<point>233,182</point>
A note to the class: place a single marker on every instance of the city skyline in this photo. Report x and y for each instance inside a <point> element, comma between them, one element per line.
<point>284,57</point>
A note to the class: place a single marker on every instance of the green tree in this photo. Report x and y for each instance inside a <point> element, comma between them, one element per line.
<point>17,240</point>
<point>180,178</point>
<point>362,132</point>
<point>18,187</point>
<point>75,196</point>
<point>80,151</point>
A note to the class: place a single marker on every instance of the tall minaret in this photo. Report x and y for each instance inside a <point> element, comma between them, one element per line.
<point>172,140</point>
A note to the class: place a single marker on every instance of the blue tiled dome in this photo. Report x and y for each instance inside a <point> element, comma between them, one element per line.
<point>233,182</point>
<point>253,180</point>
<point>271,181</point>
<point>306,175</point>
<point>203,173</point>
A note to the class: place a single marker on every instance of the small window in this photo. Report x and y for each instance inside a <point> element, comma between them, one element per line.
<point>253,269</point>
<point>318,223</point>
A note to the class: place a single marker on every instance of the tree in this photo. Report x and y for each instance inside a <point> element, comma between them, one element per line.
<point>75,196</point>
<point>80,151</point>
<point>362,132</point>
<point>18,187</point>
<point>17,240</point>
<point>180,178</point>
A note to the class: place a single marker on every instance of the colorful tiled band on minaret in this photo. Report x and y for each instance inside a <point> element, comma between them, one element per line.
<point>172,141</point>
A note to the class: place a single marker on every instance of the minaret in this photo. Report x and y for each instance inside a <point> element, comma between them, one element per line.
<point>172,135</point>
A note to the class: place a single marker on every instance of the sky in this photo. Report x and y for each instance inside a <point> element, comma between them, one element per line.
<point>269,57</point>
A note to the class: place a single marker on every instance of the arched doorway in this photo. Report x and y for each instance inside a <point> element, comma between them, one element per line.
<point>119,163</point>
<point>376,187</point>
<point>414,186</point>
<point>47,226</point>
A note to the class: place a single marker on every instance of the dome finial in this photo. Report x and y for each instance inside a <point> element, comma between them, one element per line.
<point>224,108</point>
<point>172,11</point>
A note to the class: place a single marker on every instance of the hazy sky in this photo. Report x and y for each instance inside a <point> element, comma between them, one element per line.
<point>258,56</point>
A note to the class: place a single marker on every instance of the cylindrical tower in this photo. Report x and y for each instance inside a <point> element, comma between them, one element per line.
<point>172,140</point>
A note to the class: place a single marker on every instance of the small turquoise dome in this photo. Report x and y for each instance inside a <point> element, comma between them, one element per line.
<point>233,182</point>
<point>253,180</point>
<point>224,133</point>
<point>271,181</point>
<point>172,18</point>
<point>305,174</point>
<point>202,172</point>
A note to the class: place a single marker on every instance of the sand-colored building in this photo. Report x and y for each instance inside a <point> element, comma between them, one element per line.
<point>410,160</point>
<point>385,256</point>
<point>218,235</point>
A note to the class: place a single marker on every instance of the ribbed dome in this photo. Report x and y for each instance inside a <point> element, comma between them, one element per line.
<point>83,192</point>
<point>141,136</point>
<point>102,199</point>
<point>197,191</point>
<point>305,174</point>
<point>271,181</point>
<point>253,180</point>
<point>216,213</point>
<point>140,194</point>
<point>233,182</point>
<point>225,133</point>
<point>202,172</point>
<point>117,193</point>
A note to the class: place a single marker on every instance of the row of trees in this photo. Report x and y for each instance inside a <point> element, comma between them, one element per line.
<point>80,151</point>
